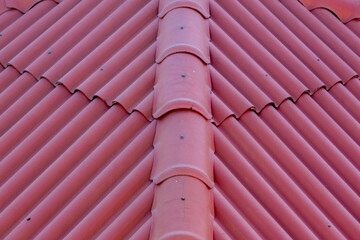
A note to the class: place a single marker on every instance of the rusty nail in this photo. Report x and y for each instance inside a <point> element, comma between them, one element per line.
<point>182,198</point>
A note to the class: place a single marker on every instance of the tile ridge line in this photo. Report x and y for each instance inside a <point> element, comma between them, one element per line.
<point>92,98</point>
<point>306,92</point>
<point>183,144</point>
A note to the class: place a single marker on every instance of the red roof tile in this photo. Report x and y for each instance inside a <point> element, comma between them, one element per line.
<point>268,54</point>
<point>346,10</point>
<point>291,171</point>
<point>58,50</point>
<point>89,150</point>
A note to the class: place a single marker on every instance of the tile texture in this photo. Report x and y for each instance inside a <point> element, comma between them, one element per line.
<point>263,52</point>
<point>291,172</point>
<point>169,119</point>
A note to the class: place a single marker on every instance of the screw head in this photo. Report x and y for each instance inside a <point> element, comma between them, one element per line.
<point>182,27</point>
<point>183,198</point>
<point>183,75</point>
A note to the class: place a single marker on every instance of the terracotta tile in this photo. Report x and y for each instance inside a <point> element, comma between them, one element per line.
<point>200,119</point>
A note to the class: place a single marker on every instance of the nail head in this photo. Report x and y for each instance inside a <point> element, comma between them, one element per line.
<point>28,219</point>
<point>329,225</point>
<point>49,52</point>
<point>183,75</point>
<point>182,198</point>
<point>182,27</point>
<point>181,137</point>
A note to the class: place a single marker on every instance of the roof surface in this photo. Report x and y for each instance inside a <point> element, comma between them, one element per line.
<point>179,119</point>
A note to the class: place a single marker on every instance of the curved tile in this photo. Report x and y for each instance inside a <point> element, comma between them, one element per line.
<point>342,107</point>
<point>315,162</point>
<point>239,158</point>
<point>273,159</point>
<point>230,198</point>
<point>23,6</point>
<point>127,178</point>
<point>57,49</point>
<point>123,138</point>
<point>182,82</point>
<point>31,33</point>
<point>202,6</point>
<point>176,150</point>
<point>75,12</point>
<point>354,26</point>
<point>308,38</point>
<point>16,88</point>
<point>263,52</point>
<point>18,107</point>
<point>330,129</point>
<point>7,18</point>
<point>337,27</point>
<point>138,95</point>
<point>38,137</point>
<point>140,55</point>
<point>181,210</point>
<point>7,77</point>
<point>23,23</point>
<point>346,10</point>
<point>106,55</point>
<point>75,45</point>
<point>183,30</point>
<point>131,217</point>
<point>324,34</point>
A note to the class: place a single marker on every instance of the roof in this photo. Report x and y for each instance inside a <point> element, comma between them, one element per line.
<point>179,119</point>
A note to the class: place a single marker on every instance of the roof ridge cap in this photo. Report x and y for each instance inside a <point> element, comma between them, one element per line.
<point>183,143</point>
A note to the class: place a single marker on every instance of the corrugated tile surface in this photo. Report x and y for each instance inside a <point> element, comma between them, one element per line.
<point>291,172</point>
<point>19,5</point>
<point>346,10</point>
<point>59,150</point>
<point>46,43</point>
<point>266,51</point>
<point>77,132</point>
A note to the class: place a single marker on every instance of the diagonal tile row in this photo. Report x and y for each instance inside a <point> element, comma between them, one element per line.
<point>59,150</point>
<point>263,52</point>
<point>291,172</point>
<point>46,43</point>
